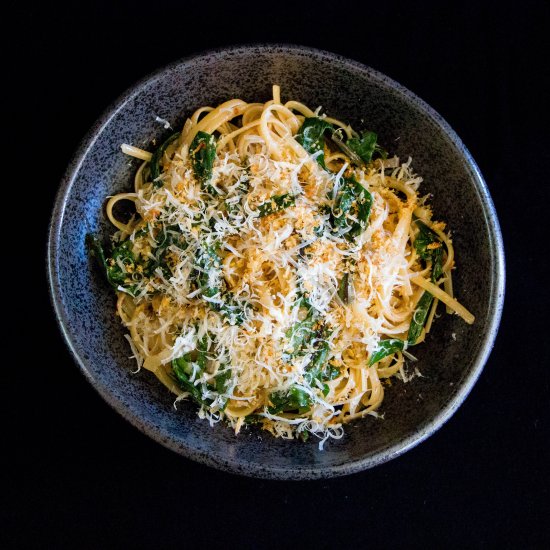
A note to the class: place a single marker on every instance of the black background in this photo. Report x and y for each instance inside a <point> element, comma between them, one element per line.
<point>80,476</point>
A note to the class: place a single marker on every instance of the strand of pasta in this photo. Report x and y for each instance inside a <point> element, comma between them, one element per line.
<point>444,297</point>
<point>136,152</point>
<point>125,228</point>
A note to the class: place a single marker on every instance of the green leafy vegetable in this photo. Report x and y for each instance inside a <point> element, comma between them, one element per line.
<point>203,154</point>
<point>183,370</point>
<point>235,313</point>
<point>385,348</point>
<point>419,317</point>
<point>209,277</point>
<point>324,217</point>
<point>310,336</point>
<point>221,380</point>
<point>202,349</point>
<point>429,247</point>
<point>276,204</point>
<point>167,237</point>
<point>365,146</point>
<point>437,264</point>
<point>121,254</point>
<point>157,157</point>
<point>343,287</point>
<point>119,266</point>
<point>315,368</point>
<point>183,365</point>
<point>95,249</point>
<point>318,370</point>
<point>295,399</point>
<point>196,361</point>
<point>221,384</point>
<point>351,208</point>
<point>210,281</point>
<point>311,137</point>
<point>197,356</point>
<point>302,332</point>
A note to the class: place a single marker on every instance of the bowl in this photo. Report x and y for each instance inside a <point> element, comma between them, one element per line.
<point>450,360</point>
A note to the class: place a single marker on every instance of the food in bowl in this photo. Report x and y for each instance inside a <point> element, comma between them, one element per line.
<point>279,267</point>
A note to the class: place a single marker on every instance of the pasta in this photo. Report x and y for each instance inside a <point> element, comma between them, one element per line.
<point>278,267</point>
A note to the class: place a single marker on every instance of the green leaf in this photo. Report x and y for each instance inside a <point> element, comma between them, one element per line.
<point>352,200</point>
<point>437,264</point>
<point>203,154</point>
<point>121,255</point>
<point>194,360</point>
<point>318,370</point>
<point>385,348</point>
<point>95,249</point>
<point>301,333</point>
<point>365,146</point>
<point>235,313</point>
<point>202,350</point>
<point>210,280</point>
<point>157,157</point>
<point>295,399</point>
<point>306,337</point>
<point>314,370</point>
<point>182,369</point>
<point>221,383</point>
<point>275,204</point>
<point>221,380</point>
<point>209,276</point>
<point>183,365</point>
<point>119,266</point>
<point>424,238</point>
<point>311,137</point>
<point>343,288</point>
<point>331,372</point>
<point>419,317</point>
<point>167,237</point>
<point>196,356</point>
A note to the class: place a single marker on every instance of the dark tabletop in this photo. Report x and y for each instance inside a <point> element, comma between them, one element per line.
<point>79,476</point>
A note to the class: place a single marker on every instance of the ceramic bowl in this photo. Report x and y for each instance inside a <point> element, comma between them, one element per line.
<point>450,360</point>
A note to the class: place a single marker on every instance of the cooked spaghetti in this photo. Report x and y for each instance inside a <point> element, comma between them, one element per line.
<point>278,267</point>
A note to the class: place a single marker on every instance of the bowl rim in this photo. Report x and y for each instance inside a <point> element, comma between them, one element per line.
<point>310,471</point>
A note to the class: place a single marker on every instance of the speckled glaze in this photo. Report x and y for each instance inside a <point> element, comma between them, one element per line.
<point>85,305</point>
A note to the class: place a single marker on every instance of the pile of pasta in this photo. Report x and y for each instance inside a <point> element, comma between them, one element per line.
<point>278,267</point>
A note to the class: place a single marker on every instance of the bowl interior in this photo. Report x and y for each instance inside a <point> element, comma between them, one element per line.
<point>454,352</point>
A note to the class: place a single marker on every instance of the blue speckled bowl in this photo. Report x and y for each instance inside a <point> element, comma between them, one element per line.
<point>84,304</point>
